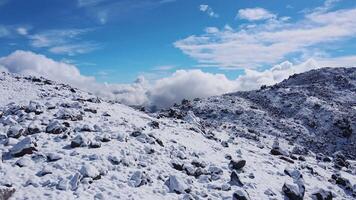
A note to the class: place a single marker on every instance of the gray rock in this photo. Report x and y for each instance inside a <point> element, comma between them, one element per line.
<point>321,194</point>
<point>6,192</point>
<point>25,146</point>
<point>293,191</point>
<point>176,185</point>
<point>240,195</point>
<point>15,131</point>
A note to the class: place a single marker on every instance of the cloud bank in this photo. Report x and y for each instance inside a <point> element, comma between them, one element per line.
<point>183,84</point>
<point>253,45</point>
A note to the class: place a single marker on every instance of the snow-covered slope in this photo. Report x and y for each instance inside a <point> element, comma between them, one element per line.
<point>58,142</point>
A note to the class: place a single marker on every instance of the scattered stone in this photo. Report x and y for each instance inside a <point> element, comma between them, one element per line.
<point>225,144</point>
<point>79,141</point>
<point>237,164</point>
<point>95,144</point>
<point>55,127</point>
<point>104,138</point>
<point>6,192</point>
<point>235,180</point>
<point>286,159</point>
<point>154,124</point>
<point>23,162</point>
<point>89,170</point>
<point>52,157</point>
<point>293,191</point>
<point>75,180</point>
<point>240,195</point>
<point>114,160</point>
<point>44,172</point>
<point>341,181</point>
<point>136,133</point>
<point>25,146</point>
<point>138,179</point>
<point>215,172</point>
<point>176,185</point>
<point>15,131</point>
<point>91,110</point>
<point>63,185</point>
<point>33,128</point>
<point>322,194</point>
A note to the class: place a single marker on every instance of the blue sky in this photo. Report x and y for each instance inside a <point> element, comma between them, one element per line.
<point>116,41</point>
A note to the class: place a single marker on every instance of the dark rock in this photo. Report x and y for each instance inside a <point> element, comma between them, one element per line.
<point>52,157</point>
<point>95,144</point>
<point>225,144</point>
<point>177,165</point>
<point>345,126</point>
<point>322,194</point>
<point>154,124</point>
<point>25,146</point>
<point>136,133</point>
<point>15,131</point>
<point>293,191</point>
<point>286,159</point>
<point>114,160</point>
<point>33,128</point>
<point>237,164</point>
<point>79,141</point>
<point>55,127</point>
<point>235,180</point>
<point>6,192</point>
<point>91,110</point>
<point>240,195</point>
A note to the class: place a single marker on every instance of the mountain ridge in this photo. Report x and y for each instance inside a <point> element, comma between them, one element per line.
<point>59,142</point>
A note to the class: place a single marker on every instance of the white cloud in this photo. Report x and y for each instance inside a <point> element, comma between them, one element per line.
<point>256,45</point>
<point>63,41</point>
<point>73,49</point>
<point>254,14</point>
<point>208,10</point>
<point>22,30</point>
<point>164,91</point>
<point>29,63</point>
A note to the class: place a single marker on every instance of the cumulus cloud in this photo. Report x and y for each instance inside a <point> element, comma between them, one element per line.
<point>163,92</point>
<point>208,10</point>
<point>254,14</point>
<point>29,63</point>
<point>254,45</point>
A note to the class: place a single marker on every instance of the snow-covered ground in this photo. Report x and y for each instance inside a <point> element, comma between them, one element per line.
<point>58,142</point>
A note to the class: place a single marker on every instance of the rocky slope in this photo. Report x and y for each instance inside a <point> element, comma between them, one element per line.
<point>58,142</point>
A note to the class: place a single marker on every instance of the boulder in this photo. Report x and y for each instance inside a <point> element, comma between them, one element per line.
<point>293,191</point>
<point>55,127</point>
<point>176,185</point>
<point>235,180</point>
<point>321,194</point>
<point>15,131</point>
<point>79,141</point>
<point>6,192</point>
<point>237,164</point>
<point>240,195</point>
<point>25,146</point>
<point>91,171</point>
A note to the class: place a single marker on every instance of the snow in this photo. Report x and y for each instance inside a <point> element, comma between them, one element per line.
<point>190,157</point>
